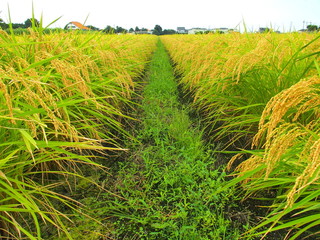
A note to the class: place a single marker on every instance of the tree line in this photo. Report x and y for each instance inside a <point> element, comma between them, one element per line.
<point>28,23</point>
<point>157,30</point>
<point>313,28</point>
<point>108,29</point>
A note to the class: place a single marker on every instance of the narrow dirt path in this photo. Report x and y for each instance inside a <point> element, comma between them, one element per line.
<point>169,184</point>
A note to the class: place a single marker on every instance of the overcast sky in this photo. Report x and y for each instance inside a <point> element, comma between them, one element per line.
<point>282,15</point>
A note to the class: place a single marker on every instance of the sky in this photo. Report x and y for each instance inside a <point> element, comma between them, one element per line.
<point>282,15</point>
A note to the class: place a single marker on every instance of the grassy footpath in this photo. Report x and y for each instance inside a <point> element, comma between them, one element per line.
<point>168,186</point>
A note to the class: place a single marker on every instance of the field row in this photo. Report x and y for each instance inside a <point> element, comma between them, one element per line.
<point>259,94</point>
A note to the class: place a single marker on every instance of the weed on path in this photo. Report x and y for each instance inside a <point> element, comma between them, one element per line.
<point>170,185</point>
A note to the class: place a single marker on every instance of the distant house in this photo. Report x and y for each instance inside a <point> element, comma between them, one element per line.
<point>182,30</point>
<point>197,30</point>
<point>144,31</point>
<point>233,30</point>
<point>76,26</point>
<point>302,30</point>
<point>221,30</point>
<point>264,30</point>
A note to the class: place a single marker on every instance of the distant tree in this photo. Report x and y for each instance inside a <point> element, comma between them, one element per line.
<point>312,28</point>
<point>30,21</point>
<point>168,32</point>
<point>109,30</point>
<point>93,28</point>
<point>137,29</point>
<point>267,30</point>
<point>3,25</point>
<point>121,30</point>
<point>18,25</point>
<point>144,29</point>
<point>131,30</point>
<point>218,32</point>
<point>157,30</point>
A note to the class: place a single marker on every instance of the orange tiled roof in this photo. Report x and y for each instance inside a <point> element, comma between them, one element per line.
<point>80,26</point>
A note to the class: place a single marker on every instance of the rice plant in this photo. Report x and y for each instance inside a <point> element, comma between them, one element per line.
<point>62,96</point>
<point>261,92</point>
<point>232,77</point>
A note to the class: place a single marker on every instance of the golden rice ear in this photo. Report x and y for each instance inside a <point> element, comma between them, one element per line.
<point>311,173</point>
<point>72,78</point>
<point>233,159</point>
<point>294,97</point>
<point>283,137</point>
<point>251,163</point>
<point>253,58</point>
<point>3,88</point>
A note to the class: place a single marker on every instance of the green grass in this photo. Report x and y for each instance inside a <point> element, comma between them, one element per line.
<point>169,185</point>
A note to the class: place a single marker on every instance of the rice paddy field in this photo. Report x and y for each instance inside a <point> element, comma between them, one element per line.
<point>64,113</point>
<point>61,97</point>
<point>259,94</point>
